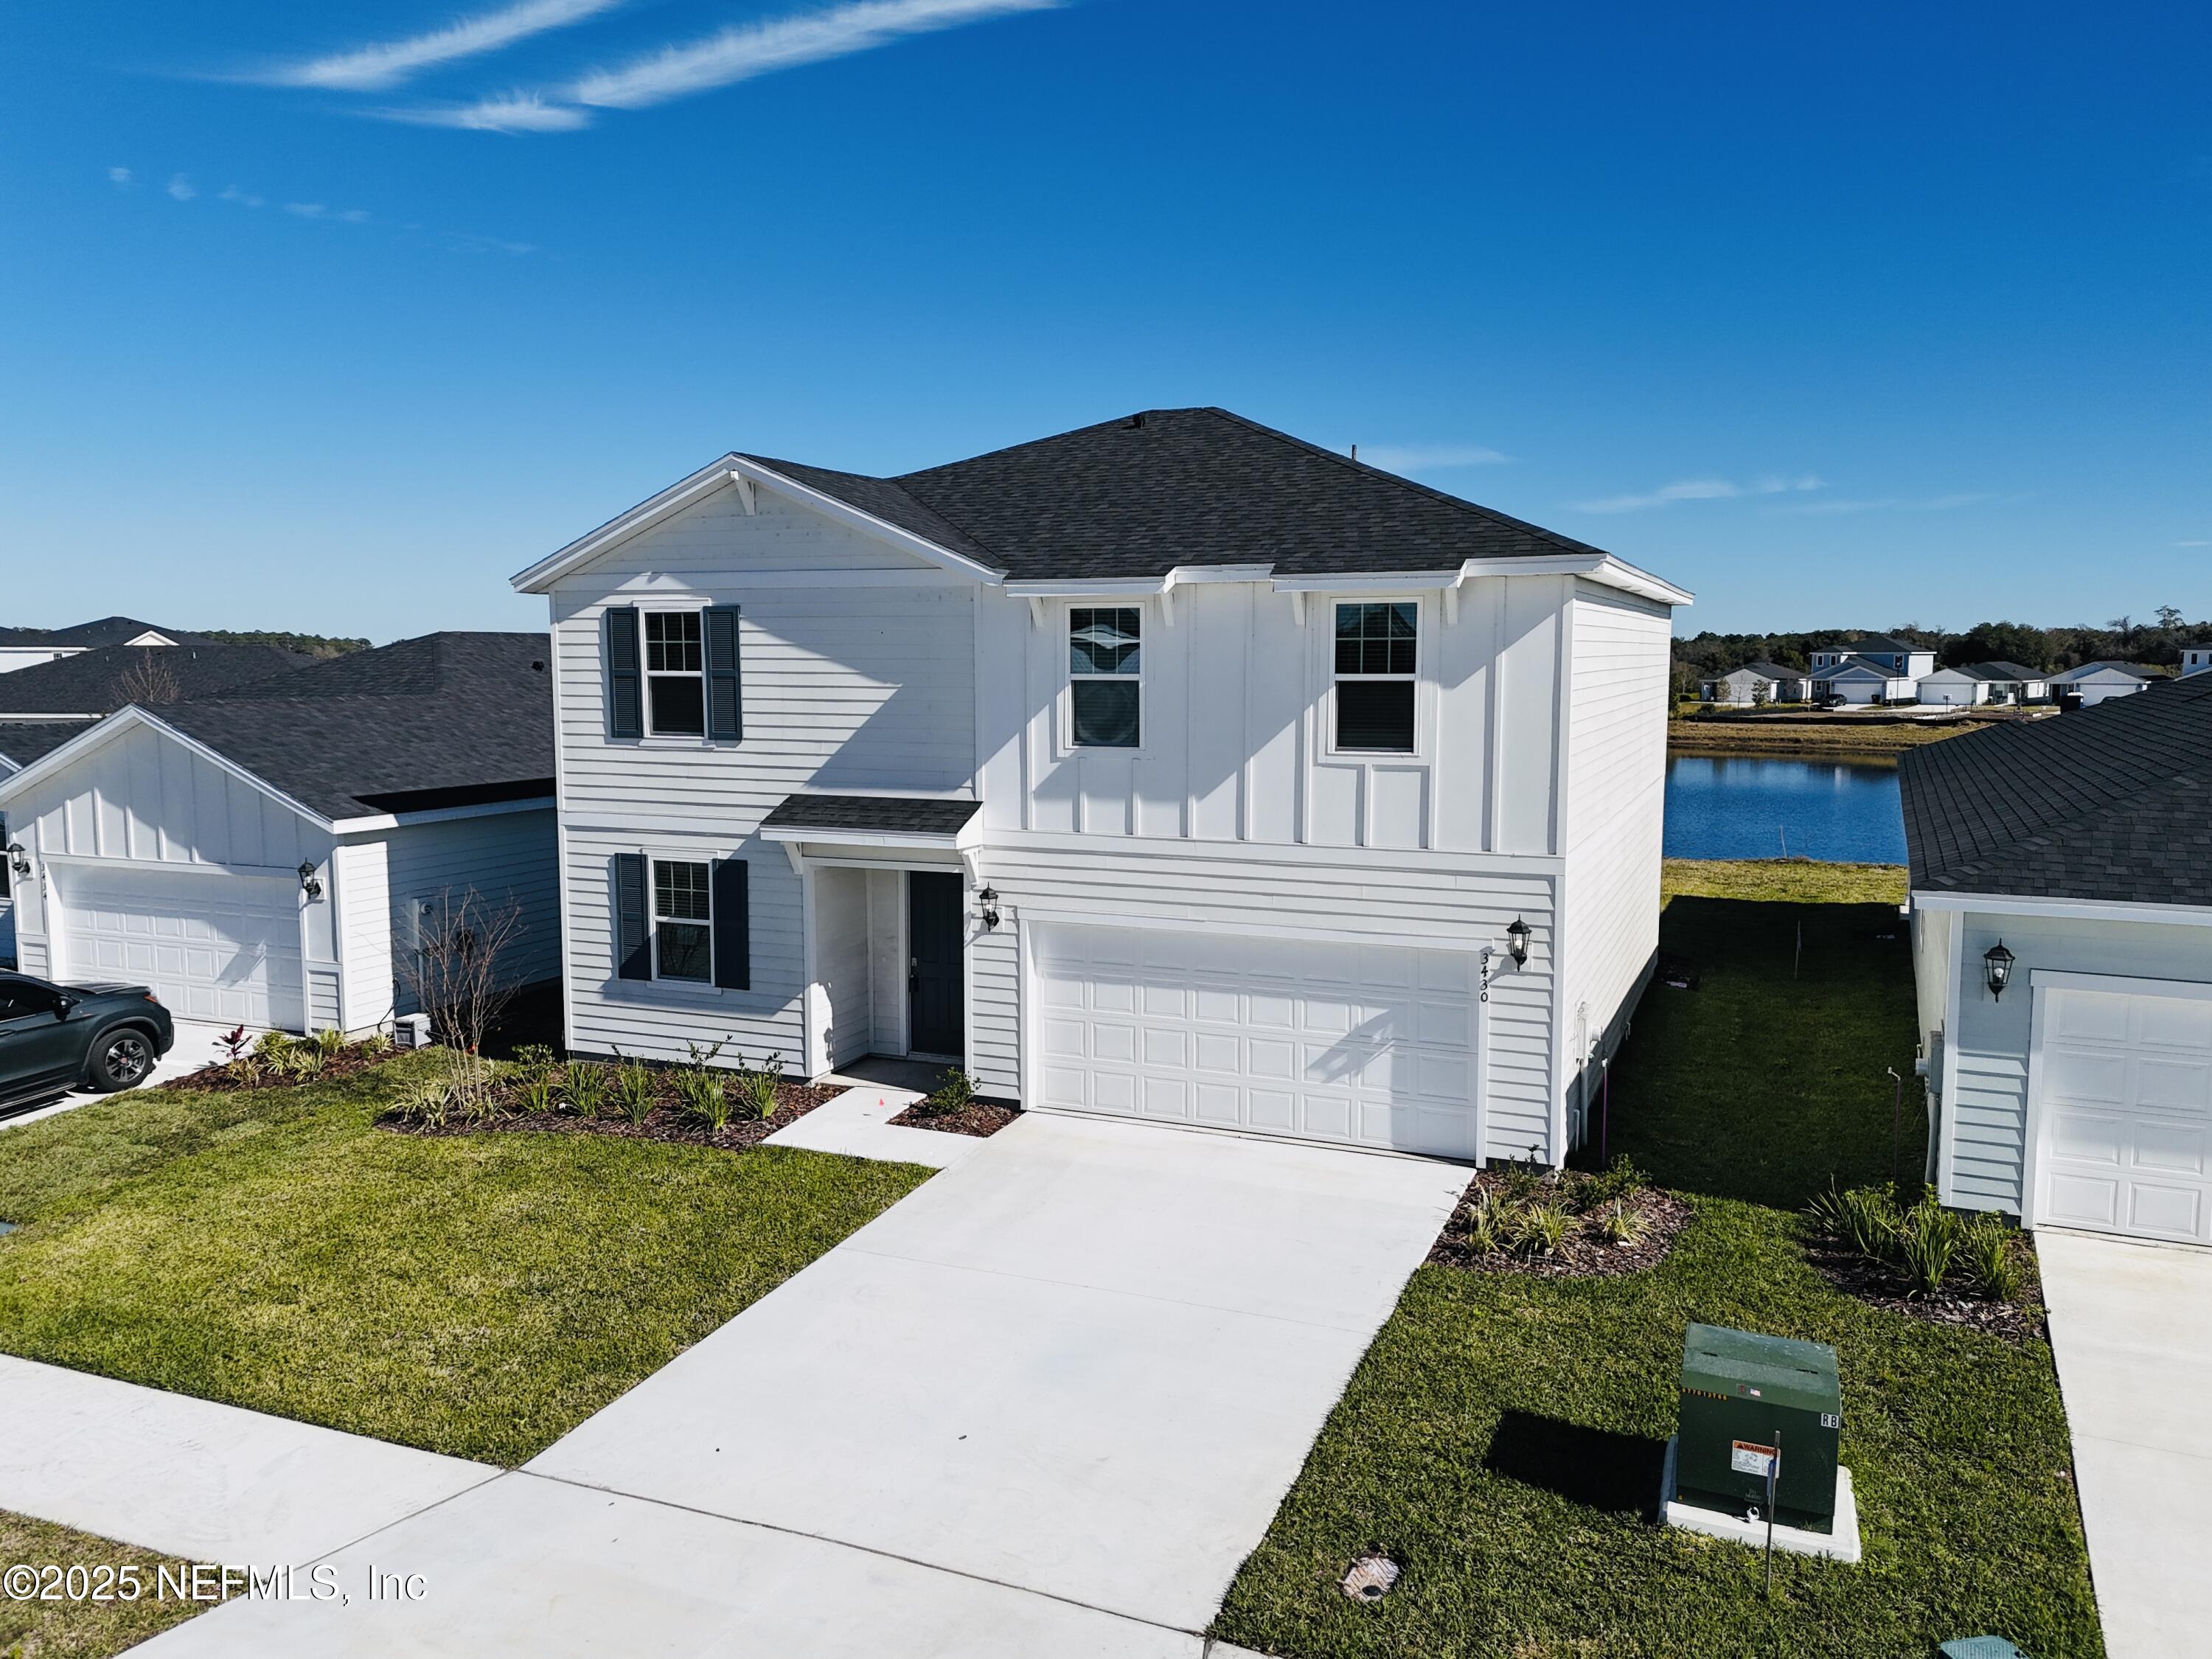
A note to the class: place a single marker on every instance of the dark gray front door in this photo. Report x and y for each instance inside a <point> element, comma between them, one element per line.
<point>934,1024</point>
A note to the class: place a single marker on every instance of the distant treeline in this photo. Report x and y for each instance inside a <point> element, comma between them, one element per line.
<point>312,645</point>
<point>2121,640</point>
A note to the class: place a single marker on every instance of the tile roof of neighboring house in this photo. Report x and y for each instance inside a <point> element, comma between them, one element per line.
<point>96,681</point>
<point>422,722</point>
<point>108,630</point>
<point>923,815</point>
<point>2140,671</point>
<point>22,742</point>
<point>2113,803</point>
<point>1139,495</point>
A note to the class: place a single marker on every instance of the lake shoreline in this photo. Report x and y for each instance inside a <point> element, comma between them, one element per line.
<point>1719,738</point>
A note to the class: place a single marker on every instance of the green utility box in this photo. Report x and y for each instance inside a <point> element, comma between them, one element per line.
<point>1745,1397</point>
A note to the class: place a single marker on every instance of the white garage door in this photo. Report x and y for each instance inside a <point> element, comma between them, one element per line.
<point>2124,1099</point>
<point>1364,1044</point>
<point>220,948</point>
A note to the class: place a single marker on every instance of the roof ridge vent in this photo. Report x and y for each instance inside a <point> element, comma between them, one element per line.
<point>1137,419</point>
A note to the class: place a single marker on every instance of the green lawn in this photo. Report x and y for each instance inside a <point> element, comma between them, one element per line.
<point>83,1629</point>
<point>477,1295</point>
<point>1502,1437</point>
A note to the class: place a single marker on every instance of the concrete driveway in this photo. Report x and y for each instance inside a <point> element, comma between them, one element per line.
<point>1046,1405</point>
<point>2131,1326</point>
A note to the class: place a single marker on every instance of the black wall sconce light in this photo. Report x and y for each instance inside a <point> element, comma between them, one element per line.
<point>310,882</point>
<point>1997,968</point>
<point>1517,942</point>
<point>18,861</point>
<point>988,898</point>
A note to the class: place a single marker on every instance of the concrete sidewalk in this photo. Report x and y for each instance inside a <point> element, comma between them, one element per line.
<point>2131,1327</point>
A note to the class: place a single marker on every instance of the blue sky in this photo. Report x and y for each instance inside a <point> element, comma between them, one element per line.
<point>331,317</point>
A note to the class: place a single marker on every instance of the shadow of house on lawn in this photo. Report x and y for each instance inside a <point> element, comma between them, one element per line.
<point>1768,1080</point>
<point>1596,1468</point>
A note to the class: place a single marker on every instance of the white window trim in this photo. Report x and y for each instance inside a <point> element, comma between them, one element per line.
<point>1065,723</point>
<point>653,917</point>
<point>1330,747</point>
<point>647,675</point>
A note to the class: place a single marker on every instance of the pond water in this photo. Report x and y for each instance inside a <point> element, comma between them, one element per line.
<point>1740,807</point>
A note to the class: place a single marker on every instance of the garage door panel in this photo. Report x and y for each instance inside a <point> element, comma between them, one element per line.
<point>2175,1084</point>
<point>2080,1200</point>
<point>2078,1075</point>
<point>2176,1023</point>
<point>2088,1138</point>
<point>2165,1212</point>
<point>2089,1017</point>
<point>2172,1148</point>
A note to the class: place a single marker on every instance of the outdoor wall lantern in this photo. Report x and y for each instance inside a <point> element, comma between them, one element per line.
<point>988,898</point>
<point>18,861</point>
<point>1517,942</point>
<point>310,884</point>
<point>1996,966</point>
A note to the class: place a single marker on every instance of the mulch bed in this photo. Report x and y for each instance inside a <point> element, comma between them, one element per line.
<point>667,1121</point>
<point>976,1118</point>
<point>1879,1286</point>
<point>1585,1253</point>
<point>216,1078</point>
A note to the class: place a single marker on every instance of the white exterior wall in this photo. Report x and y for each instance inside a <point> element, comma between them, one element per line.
<point>1982,1134</point>
<point>842,961</point>
<point>13,657</point>
<point>1616,783</point>
<point>361,890</point>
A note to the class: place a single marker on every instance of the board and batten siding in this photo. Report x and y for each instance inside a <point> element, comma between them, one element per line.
<point>1616,784</point>
<point>1984,1138</point>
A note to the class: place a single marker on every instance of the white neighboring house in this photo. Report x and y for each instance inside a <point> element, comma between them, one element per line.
<point>1974,684</point>
<point>2196,659</point>
<point>1171,769</point>
<point>2099,682</point>
<point>1755,682</point>
<point>26,647</point>
<point>264,854</point>
<point>1859,680</point>
<point>2074,1088</point>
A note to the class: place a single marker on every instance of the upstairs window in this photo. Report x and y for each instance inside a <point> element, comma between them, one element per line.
<point>675,673</point>
<point>1375,665</point>
<point>683,922</point>
<point>1103,670</point>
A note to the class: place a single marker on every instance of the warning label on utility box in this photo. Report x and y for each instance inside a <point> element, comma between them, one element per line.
<point>1748,1457</point>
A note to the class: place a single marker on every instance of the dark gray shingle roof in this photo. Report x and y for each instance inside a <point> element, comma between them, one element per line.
<point>22,742</point>
<point>887,815</point>
<point>2113,803</point>
<point>108,630</point>
<point>1139,495</point>
<point>420,719</point>
<point>2004,670</point>
<point>98,681</point>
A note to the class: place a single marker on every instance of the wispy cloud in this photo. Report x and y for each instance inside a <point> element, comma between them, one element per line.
<point>1699,489</point>
<point>2206,543</point>
<point>181,188</point>
<point>740,52</point>
<point>119,176</point>
<point>1949,503</point>
<point>387,64</point>
<point>233,194</point>
<point>1430,458</point>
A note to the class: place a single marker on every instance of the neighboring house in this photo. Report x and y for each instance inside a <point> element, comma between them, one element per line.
<point>1756,683</point>
<point>86,684</point>
<point>2080,1096</point>
<point>1896,658</point>
<point>26,647</point>
<point>1172,768</point>
<point>2196,659</point>
<point>264,854</point>
<point>1860,679</point>
<point>2099,682</point>
<point>1983,682</point>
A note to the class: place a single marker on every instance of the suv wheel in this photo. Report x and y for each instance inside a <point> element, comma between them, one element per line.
<point>120,1059</point>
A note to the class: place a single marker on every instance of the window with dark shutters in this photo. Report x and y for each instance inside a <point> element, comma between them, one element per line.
<point>633,939</point>
<point>733,943</point>
<point>725,707</point>
<point>625,691</point>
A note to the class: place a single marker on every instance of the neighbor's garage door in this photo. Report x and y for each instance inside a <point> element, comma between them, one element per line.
<point>2125,1100</point>
<point>214,947</point>
<point>1368,1045</point>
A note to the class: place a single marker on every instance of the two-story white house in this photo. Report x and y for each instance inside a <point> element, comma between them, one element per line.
<point>1172,768</point>
<point>2196,659</point>
<point>1873,669</point>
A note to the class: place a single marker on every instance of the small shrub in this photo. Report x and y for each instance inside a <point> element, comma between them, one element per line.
<point>949,1098</point>
<point>234,1043</point>
<point>634,1090</point>
<point>1487,1225</point>
<point>1522,1182</point>
<point>304,1061</point>
<point>1989,1259</point>
<point>754,1088</point>
<point>1620,1178</point>
<point>1621,1225</point>
<point>1928,1240</point>
<point>376,1045</point>
<point>536,1060</point>
<point>705,1097</point>
<point>426,1103</point>
<point>586,1087</point>
<point>330,1041</point>
<point>245,1068</point>
<point>1864,1220</point>
<point>1540,1228</point>
<point>537,1094</point>
<point>271,1046</point>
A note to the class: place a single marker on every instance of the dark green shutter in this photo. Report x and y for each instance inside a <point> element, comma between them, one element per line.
<point>633,938</point>
<point>733,928</point>
<point>726,705</point>
<point>625,684</point>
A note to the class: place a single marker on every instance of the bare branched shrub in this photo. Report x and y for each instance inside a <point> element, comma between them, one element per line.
<point>148,681</point>
<point>454,973</point>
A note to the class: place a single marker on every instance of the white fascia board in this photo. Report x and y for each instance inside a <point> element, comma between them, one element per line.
<point>1404,582</point>
<point>2187,915</point>
<point>1084,587</point>
<point>127,719</point>
<point>439,815</point>
<point>1601,568</point>
<point>730,470</point>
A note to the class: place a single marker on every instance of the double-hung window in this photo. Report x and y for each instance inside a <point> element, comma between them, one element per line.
<point>1104,685</point>
<point>675,679</point>
<point>1374,667</point>
<point>683,922</point>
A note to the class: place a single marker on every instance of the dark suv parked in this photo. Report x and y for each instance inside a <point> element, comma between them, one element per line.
<point>57,1037</point>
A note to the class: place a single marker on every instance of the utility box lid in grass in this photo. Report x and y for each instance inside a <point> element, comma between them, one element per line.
<point>1748,1399</point>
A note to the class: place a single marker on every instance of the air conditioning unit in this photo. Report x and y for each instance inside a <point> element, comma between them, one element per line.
<point>410,1031</point>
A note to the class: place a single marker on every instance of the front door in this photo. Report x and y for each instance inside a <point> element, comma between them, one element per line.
<point>934,1024</point>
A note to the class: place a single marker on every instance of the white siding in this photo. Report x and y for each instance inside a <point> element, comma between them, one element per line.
<point>1987,1136</point>
<point>1615,791</point>
<point>841,960</point>
<point>361,888</point>
<point>504,857</point>
<point>994,1028</point>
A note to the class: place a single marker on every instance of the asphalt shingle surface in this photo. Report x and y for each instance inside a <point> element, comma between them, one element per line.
<point>101,681</point>
<point>879,814</point>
